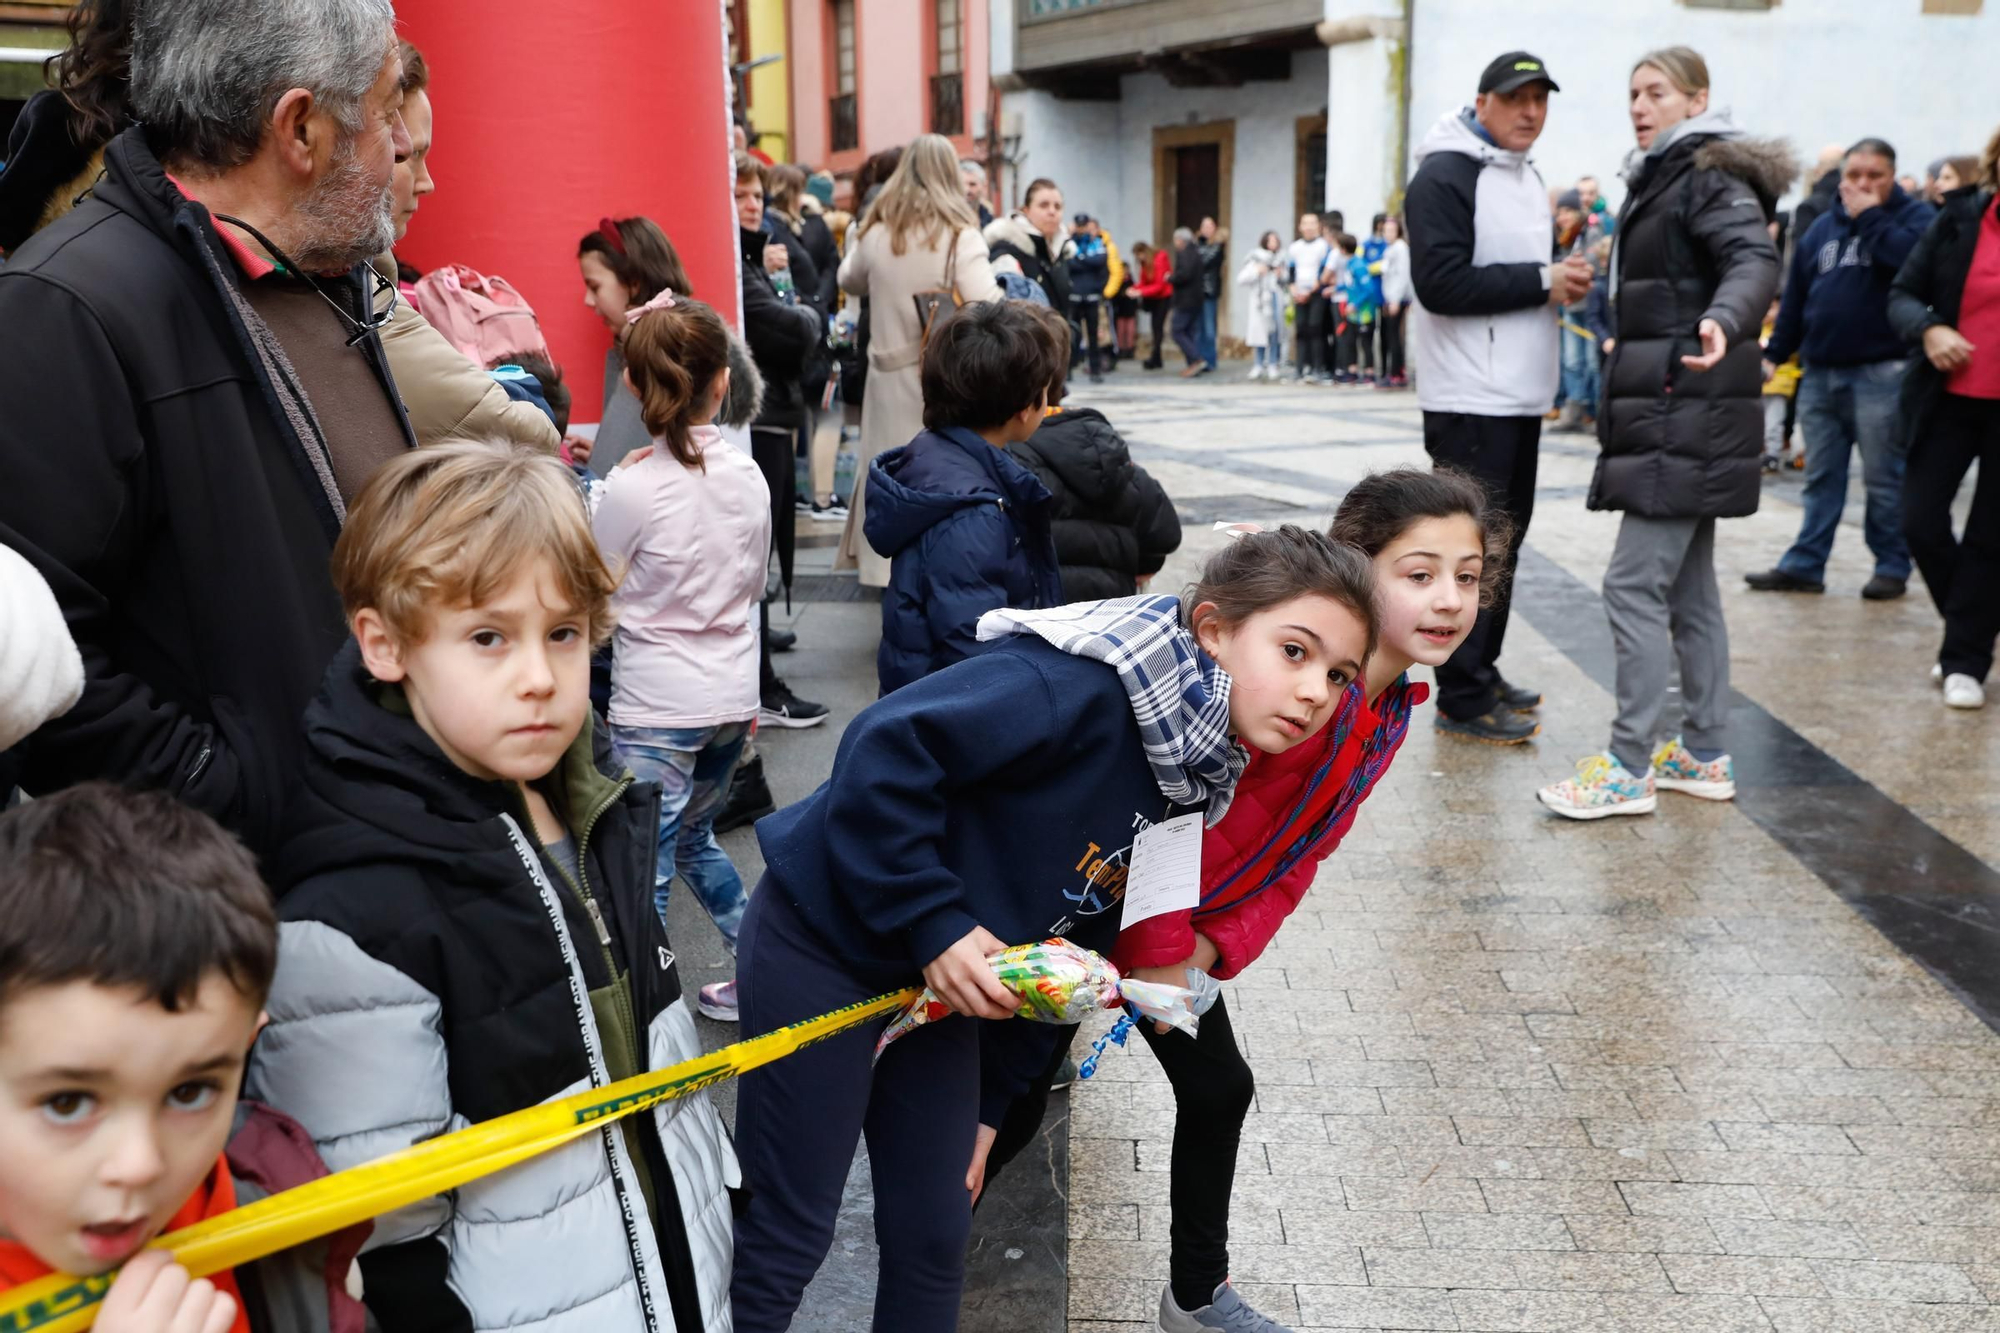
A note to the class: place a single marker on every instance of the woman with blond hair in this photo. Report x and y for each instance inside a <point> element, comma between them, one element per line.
<point>1681,423</point>
<point>1946,300</point>
<point>919,236</point>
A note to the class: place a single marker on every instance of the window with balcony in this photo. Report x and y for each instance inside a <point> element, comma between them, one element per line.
<point>948,83</point>
<point>843,115</point>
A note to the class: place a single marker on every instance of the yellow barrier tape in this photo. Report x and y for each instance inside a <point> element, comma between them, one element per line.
<point>61,1303</point>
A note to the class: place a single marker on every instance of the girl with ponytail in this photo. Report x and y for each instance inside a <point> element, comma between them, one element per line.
<point>688,523</point>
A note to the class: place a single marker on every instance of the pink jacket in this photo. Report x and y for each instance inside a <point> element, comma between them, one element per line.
<point>692,545</point>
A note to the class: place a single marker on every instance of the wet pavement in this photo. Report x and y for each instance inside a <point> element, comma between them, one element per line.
<point>1719,1068</point>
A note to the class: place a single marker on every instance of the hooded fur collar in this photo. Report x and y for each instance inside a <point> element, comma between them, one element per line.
<point>1767,166</point>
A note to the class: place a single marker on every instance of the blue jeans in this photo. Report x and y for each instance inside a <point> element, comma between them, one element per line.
<point>1187,335</point>
<point>692,767</point>
<point>1207,337</point>
<point>1272,354</point>
<point>1580,371</point>
<point>1839,407</point>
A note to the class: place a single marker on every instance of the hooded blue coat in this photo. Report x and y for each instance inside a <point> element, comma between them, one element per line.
<point>966,530</point>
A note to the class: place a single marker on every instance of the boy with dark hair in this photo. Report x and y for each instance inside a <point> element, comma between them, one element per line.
<point>136,947</point>
<point>965,526</point>
<point>468,918</point>
<point>546,391</point>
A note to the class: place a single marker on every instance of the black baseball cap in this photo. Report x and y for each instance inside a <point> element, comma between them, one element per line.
<point>1514,70</point>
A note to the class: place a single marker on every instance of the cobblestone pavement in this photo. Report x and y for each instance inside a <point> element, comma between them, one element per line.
<point>1520,1074</point>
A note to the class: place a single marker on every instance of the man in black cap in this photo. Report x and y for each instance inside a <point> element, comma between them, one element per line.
<point>1483,337</point>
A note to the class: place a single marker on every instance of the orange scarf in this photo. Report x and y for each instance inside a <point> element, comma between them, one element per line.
<point>216,1194</point>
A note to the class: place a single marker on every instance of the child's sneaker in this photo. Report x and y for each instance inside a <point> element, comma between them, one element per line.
<point>1675,769</point>
<point>1228,1311</point>
<point>1602,786</point>
<point>718,1001</point>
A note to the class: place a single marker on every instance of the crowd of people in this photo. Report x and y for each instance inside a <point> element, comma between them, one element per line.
<point>370,709</point>
<point>1692,330</point>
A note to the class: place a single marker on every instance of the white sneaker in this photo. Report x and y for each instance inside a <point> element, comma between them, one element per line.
<point>1256,373</point>
<point>1937,675</point>
<point>1962,691</point>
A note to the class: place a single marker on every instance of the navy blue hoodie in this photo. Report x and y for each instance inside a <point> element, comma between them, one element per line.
<point>966,529</point>
<point>1835,310</point>
<point>1004,792</point>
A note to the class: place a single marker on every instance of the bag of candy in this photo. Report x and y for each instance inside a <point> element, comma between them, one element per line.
<point>1060,982</point>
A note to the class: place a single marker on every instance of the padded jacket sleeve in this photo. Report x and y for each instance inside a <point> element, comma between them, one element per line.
<point>779,335</point>
<point>966,559</point>
<point>1914,295</point>
<point>73,504</point>
<point>448,397</point>
<point>354,1053</point>
<point>1441,212</point>
<point>1727,221</point>
<point>1135,505</point>
<point>41,672</point>
<point>1790,328</point>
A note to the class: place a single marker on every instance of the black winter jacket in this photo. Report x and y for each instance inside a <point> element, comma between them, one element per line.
<point>1213,255</point>
<point>781,338</point>
<point>1691,245</point>
<point>1928,290</point>
<point>438,966</point>
<point>1189,292</point>
<point>149,472</point>
<point>816,288</point>
<point>1112,522</point>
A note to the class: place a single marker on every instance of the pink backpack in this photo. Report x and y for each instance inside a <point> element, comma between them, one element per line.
<point>483,317</point>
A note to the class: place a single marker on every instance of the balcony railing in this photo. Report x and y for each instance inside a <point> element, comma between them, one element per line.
<point>947,104</point>
<point>846,121</point>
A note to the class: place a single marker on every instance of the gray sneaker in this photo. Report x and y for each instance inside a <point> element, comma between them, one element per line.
<point>1230,1312</point>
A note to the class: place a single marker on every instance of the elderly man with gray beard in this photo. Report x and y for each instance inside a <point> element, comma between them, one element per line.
<point>194,391</point>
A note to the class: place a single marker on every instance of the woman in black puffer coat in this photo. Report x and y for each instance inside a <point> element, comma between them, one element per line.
<point>1681,426</point>
<point>1113,524</point>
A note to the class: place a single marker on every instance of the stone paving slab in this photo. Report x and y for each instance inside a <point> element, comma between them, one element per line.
<point>1519,1074</point>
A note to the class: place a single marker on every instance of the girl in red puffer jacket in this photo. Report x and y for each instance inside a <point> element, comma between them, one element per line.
<point>1436,548</point>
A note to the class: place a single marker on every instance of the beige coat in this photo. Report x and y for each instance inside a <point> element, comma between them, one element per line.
<point>446,395</point>
<point>892,409</point>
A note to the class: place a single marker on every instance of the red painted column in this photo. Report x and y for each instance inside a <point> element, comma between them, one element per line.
<point>551,116</point>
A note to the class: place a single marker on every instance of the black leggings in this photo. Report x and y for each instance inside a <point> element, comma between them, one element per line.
<point>1356,347</point>
<point>1213,1091</point>
<point>1392,342</point>
<point>1309,341</point>
<point>1961,572</point>
<point>1083,319</point>
<point>1156,312</point>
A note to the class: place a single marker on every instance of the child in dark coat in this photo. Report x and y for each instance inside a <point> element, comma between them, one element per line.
<point>1113,523</point>
<point>965,526</point>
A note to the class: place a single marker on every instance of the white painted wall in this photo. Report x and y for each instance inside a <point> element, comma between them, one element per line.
<point>1813,71</point>
<point>1101,153</point>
